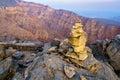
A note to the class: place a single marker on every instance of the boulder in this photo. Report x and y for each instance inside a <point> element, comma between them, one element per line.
<point>51,67</point>
<point>117,38</point>
<point>5,67</point>
<point>99,49</point>
<point>108,51</point>
<point>113,51</point>
<point>97,68</point>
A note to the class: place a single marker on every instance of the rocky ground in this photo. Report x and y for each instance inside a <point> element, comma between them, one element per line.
<point>52,64</point>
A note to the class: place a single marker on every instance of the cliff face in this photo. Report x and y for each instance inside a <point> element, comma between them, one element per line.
<point>36,21</point>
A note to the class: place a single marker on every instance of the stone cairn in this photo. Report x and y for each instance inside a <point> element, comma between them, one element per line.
<point>78,39</point>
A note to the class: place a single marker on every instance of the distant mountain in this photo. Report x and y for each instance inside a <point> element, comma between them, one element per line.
<point>116,18</point>
<point>108,21</point>
<point>33,21</point>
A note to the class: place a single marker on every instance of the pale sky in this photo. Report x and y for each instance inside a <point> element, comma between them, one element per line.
<point>89,8</point>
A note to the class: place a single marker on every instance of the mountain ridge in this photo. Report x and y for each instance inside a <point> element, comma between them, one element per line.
<point>45,23</point>
<point>108,21</point>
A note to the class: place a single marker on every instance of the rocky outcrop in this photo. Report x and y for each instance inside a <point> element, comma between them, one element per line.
<point>52,67</point>
<point>40,22</point>
<point>108,51</point>
<point>53,64</point>
<point>113,51</point>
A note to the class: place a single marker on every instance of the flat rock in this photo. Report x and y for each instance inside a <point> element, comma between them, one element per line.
<point>78,56</point>
<point>52,49</point>
<point>18,55</point>
<point>69,71</point>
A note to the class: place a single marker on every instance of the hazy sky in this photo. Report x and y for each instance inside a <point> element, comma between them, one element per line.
<point>89,8</point>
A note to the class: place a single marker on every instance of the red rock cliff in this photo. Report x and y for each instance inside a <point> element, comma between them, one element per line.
<point>36,21</point>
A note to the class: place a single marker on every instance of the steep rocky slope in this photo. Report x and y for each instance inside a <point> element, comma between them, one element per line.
<point>36,21</point>
<point>15,22</point>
